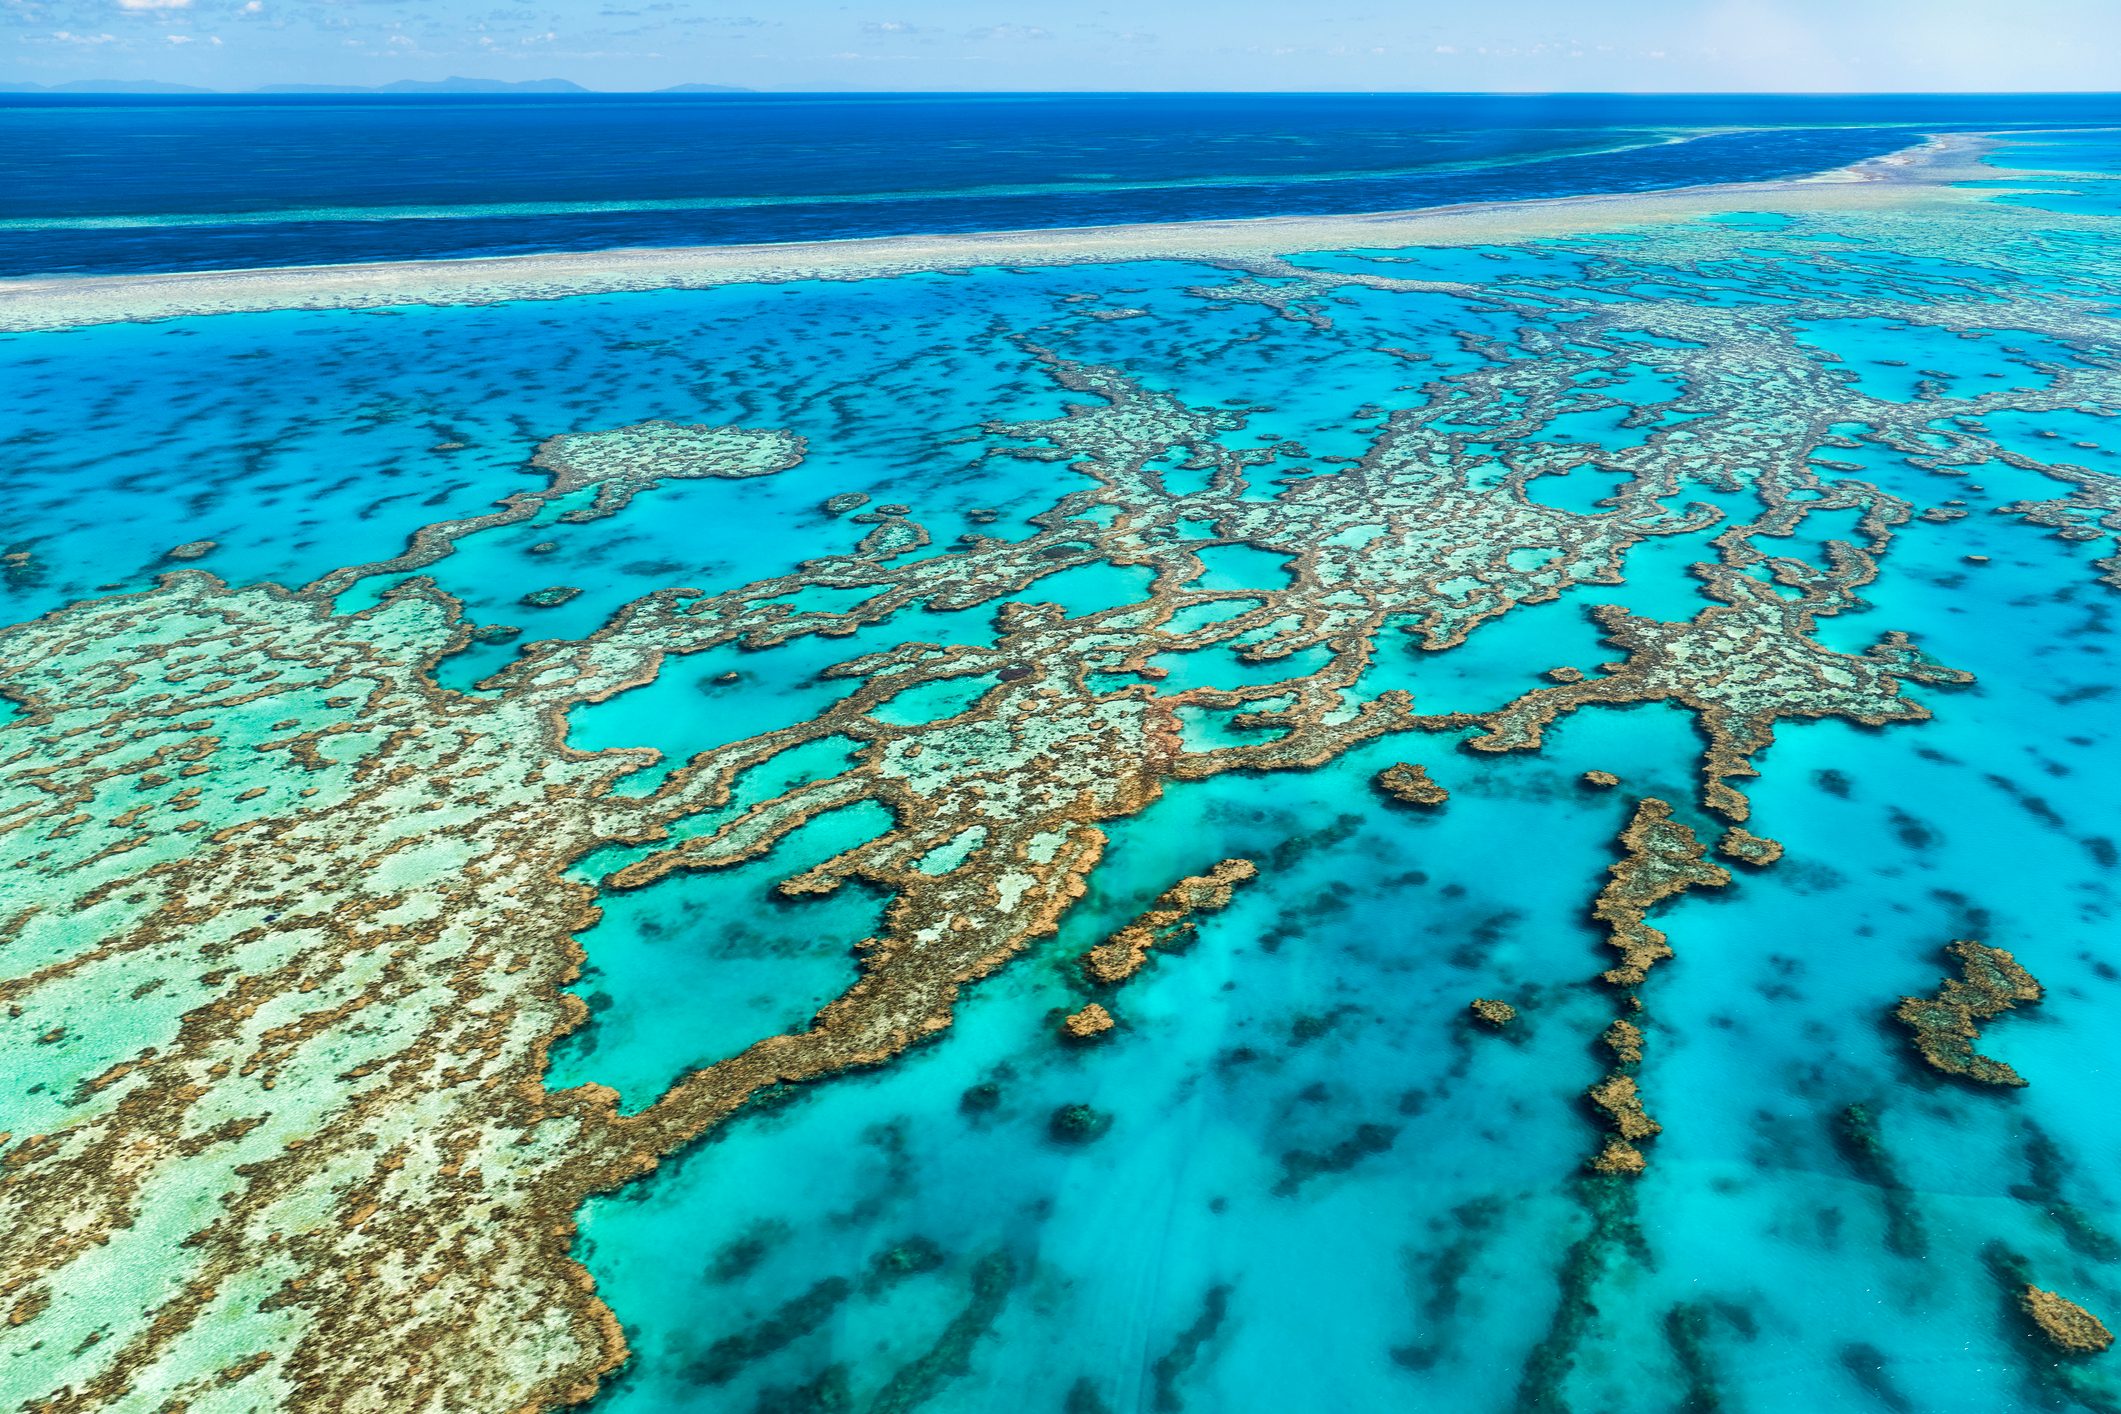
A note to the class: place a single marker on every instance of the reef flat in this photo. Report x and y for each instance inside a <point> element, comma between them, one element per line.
<point>924,841</point>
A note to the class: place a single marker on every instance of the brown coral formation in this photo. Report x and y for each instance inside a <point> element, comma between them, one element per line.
<point>1621,1103</point>
<point>1740,665</point>
<point>1490,1012</point>
<point>1600,780</point>
<point>1743,845</point>
<point>1088,1024</point>
<point>2066,1325</point>
<point>191,550</point>
<point>552,596</point>
<point>1662,857</point>
<point>1624,1039</point>
<point>1618,1158</point>
<point>1169,918</point>
<point>2091,511</point>
<point>1947,1026</point>
<point>1410,784</point>
<point>364,952</point>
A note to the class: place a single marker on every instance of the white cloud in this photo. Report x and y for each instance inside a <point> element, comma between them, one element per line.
<point>153,4</point>
<point>178,38</point>
<point>69,37</point>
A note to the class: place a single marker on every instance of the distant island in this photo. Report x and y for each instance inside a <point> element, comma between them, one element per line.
<point>448,85</point>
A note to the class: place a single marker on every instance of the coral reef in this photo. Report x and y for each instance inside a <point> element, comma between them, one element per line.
<point>1619,1101</point>
<point>362,940</point>
<point>1743,845</point>
<point>1490,1012</point>
<point>2066,1325</point>
<point>1862,1143</point>
<point>1077,1124</point>
<point>1661,857</point>
<point>1410,784</point>
<point>1618,1158</point>
<point>617,464</point>
<point>1624,1039</point>
<point>2046,1189</point>
<point>1740,665</point>
<point>1185,1351</point>
<point>1439,1287</point>
<point>552,597</point>
<point>1170,917</point>
<point>1946,1026</point>
<point>1613,1233</point>
<point>1300,1166</point>
<point>1088,1024</point>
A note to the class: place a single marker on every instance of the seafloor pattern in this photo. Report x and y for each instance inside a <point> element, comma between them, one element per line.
<point>1112,724</point>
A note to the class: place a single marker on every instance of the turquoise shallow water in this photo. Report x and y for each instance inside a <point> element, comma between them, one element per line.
<point>1312,1183</point>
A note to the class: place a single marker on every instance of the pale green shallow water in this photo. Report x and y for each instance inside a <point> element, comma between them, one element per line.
<point>1320,1188</point>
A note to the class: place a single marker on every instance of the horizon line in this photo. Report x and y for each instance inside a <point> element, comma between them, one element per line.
<point>527,88</point>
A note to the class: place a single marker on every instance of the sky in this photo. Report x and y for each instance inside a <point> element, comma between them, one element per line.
<point>1449,45</point>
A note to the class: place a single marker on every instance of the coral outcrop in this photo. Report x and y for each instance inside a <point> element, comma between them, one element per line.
<point>1088,1024</point>
<point>1618,1158</point>
<point>1947,1026</point>
<point>1621,1103</point>
<point>1661,857</point>
<point>1166,921</point>
<point>1624,1039</point>
<point>1410,784</point>
<point>1490,1012</point>
<point>2066,1325</point>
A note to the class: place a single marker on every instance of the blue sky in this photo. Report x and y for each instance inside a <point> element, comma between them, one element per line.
<point>1545,45</point>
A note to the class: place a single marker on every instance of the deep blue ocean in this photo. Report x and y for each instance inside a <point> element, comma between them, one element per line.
<point>109,184</point>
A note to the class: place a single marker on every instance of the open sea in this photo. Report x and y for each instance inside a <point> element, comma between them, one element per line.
<point>1750,576</point>
<point>104,184</point>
